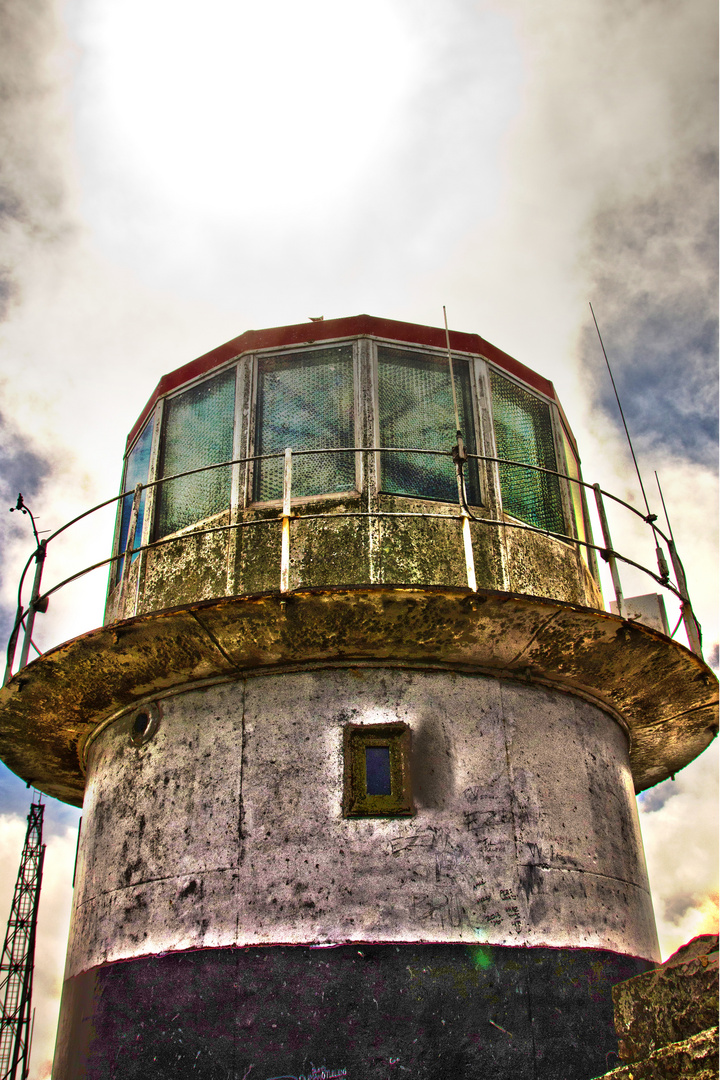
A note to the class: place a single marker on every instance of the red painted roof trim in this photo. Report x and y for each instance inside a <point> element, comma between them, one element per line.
<point>356,326</point>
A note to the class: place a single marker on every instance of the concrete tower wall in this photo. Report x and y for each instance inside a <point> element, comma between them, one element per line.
<point>227,828</point>
<point>480,934</point>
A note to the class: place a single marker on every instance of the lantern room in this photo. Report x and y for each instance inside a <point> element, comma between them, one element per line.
<point>350,425</point>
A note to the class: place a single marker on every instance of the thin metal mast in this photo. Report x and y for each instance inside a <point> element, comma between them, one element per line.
<point>18,956</point>
<point>452,377</point>
<point>622,417</point>
<point>650,517</point>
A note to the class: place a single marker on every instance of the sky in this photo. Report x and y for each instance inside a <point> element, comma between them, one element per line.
<point>173,176</point>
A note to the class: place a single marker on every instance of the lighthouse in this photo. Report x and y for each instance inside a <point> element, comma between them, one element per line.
<point>358,744</point>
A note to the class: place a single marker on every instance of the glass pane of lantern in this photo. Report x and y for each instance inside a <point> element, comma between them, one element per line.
<point>305,401</point>
<point>377,770</point>
<point>523,432</point>
<point>137,465</point>
<point>416,410</point>
<point>573,470</point>
<point>197,430</point>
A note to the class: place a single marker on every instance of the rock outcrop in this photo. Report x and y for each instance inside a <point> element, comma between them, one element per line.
<point>667,1019</point>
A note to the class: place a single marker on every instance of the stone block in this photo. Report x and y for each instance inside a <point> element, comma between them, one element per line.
<point>695,1058</point>
<point>674,1002</point>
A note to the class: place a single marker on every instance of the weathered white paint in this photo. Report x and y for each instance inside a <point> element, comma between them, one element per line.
<point>226,827</point>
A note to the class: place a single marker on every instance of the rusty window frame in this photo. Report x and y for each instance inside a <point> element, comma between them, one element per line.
<point>356,800</point>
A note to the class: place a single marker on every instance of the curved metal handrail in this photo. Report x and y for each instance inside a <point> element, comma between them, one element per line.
<point>39,599</point>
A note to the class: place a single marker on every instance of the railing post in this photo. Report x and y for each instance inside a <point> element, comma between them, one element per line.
<point>285,544</point>
<point>130,542</point>
<point>608,553</point>
<point>12,645</point>
<point>691,626</point>
<point>469,556</point>
<point>459,457</point>
<point>32,608</point>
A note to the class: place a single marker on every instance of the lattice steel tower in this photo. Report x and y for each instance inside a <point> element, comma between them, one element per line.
<point>18,958</point>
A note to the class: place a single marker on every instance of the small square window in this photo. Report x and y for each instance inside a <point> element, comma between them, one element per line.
<point>377,770</point>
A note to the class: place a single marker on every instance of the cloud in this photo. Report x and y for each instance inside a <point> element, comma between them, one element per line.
<point>655,286</point>
<point>34,130</point>
<point>26,470</point>
<point>609,195</point>
<point>650,256</point>
<point>679,823</point>
<point>339,197</point>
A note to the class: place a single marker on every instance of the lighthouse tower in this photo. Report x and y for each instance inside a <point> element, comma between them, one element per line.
<point>358,745</point>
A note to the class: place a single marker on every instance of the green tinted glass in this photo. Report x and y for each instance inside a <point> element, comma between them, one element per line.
<point>523,432</point>
<point>197,431</point>
<point>416,411</point>
<point>305,402</point>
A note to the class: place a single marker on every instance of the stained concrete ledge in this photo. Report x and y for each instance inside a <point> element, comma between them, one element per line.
<point>663,694</point>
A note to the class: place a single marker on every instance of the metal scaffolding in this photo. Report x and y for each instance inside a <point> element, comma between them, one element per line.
<point>18,956</point>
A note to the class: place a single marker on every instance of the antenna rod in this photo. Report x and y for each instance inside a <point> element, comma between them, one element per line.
<point>662,500</point>
<point>452,376</point>
<point>622,414</point>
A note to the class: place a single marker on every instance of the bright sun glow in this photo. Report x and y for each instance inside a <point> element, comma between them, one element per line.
<point>248,109</point>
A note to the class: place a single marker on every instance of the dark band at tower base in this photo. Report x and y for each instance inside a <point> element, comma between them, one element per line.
<point>362,1011</point>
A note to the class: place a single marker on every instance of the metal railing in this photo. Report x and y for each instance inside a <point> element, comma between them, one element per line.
<point>25,617</point>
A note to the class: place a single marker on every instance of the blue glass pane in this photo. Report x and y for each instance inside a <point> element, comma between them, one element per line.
<point>197,431</point>
<point>136,472</point>
<point>416,410</point>
<point>377,770</point>
<point>305,401</point>
<point>523,432</point>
